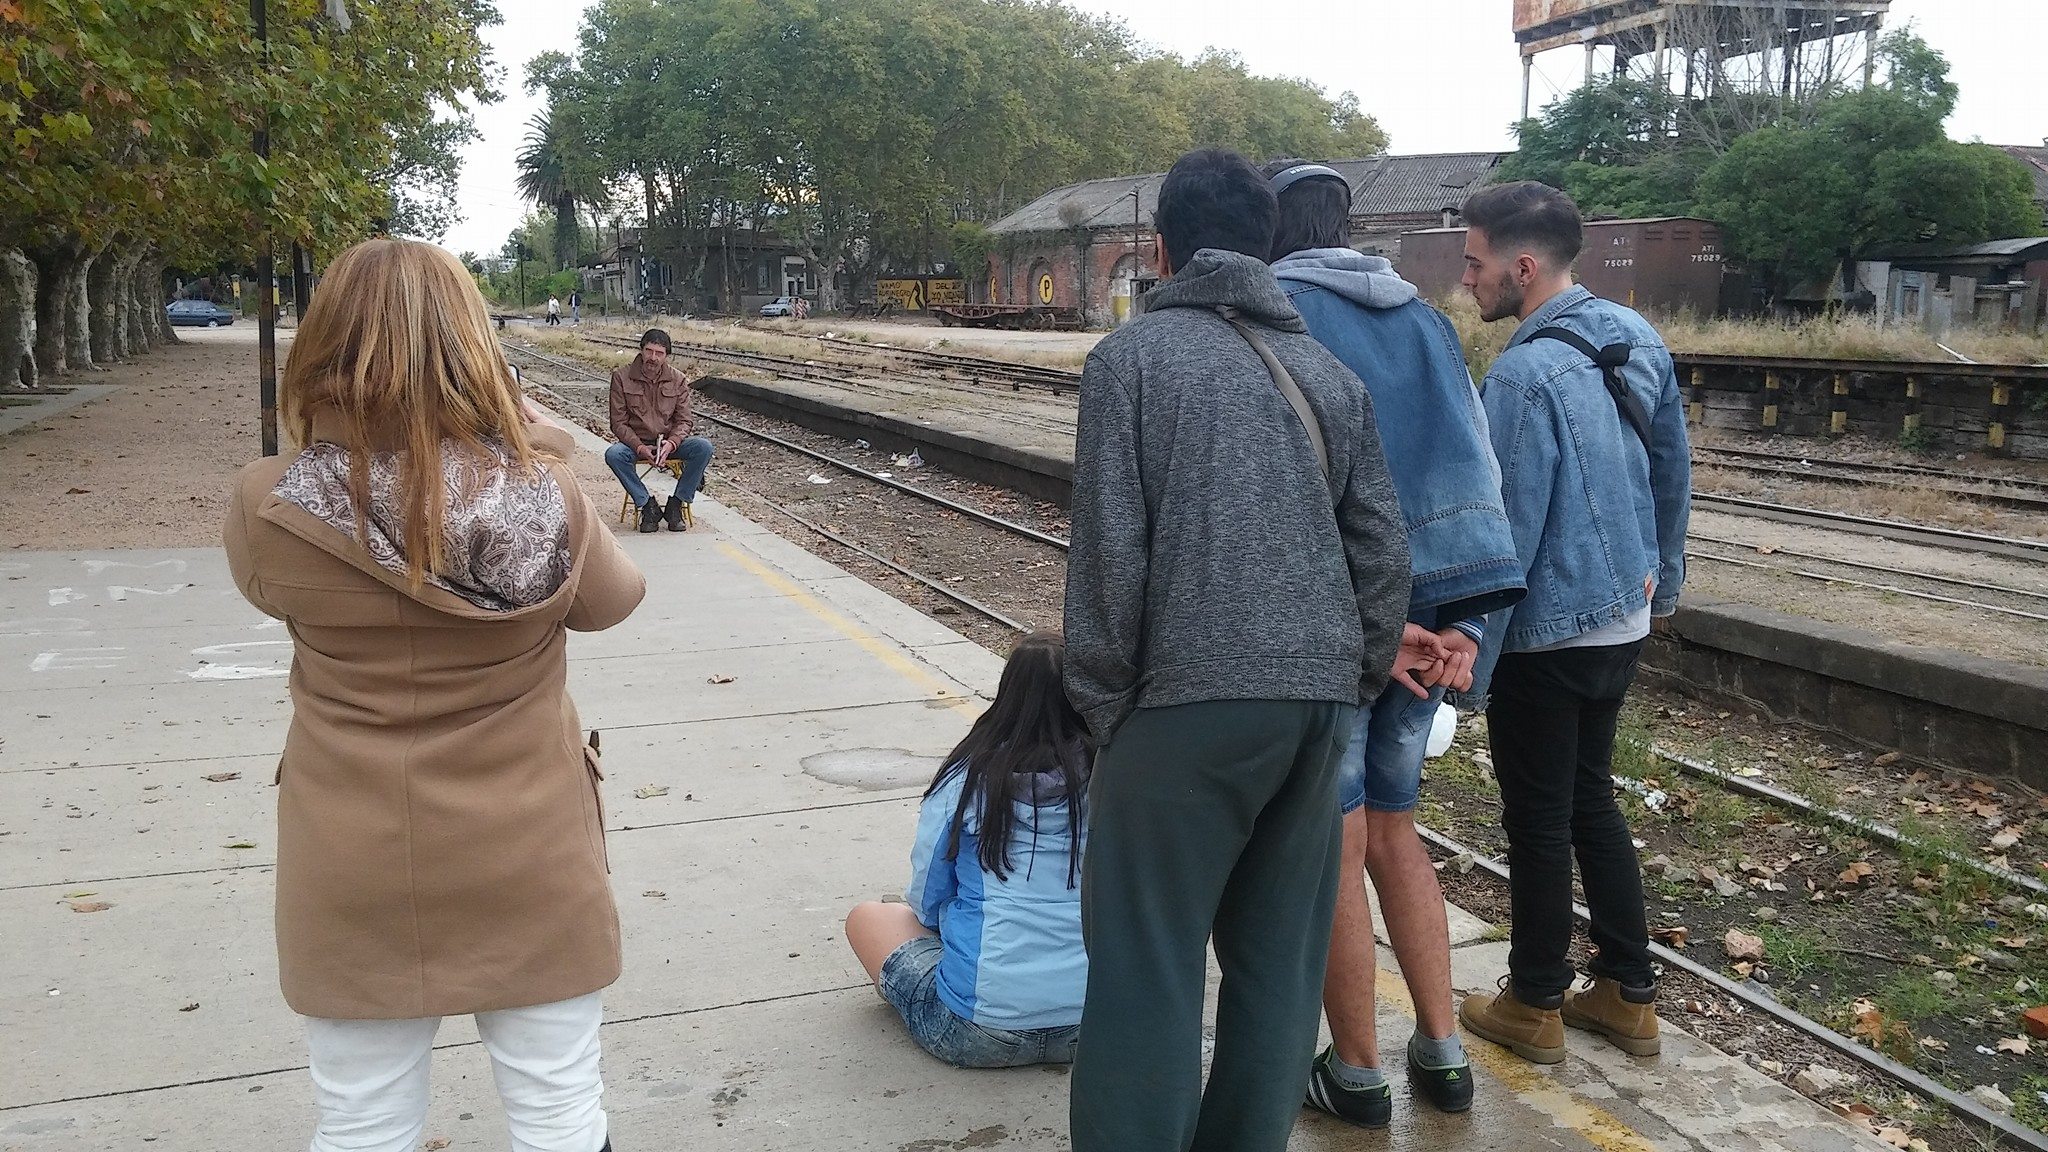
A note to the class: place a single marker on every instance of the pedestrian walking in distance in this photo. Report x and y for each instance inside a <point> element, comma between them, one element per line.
<point>440,832</point>
<point>1220,634</point>
<point>1585,416</point>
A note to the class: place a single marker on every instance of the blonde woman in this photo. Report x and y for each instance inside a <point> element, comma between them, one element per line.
<point>440,834</point>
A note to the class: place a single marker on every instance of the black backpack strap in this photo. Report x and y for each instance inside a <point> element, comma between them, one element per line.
<point>1610,361</point>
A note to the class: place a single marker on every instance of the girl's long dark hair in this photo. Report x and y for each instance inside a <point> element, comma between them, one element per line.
<point>1030,728</point>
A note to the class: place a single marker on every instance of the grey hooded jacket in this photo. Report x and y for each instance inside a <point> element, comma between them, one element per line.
<point>1211,559</point>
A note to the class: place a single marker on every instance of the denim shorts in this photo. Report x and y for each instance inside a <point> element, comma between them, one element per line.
<point>1382,767</point>
<point>910,983</point>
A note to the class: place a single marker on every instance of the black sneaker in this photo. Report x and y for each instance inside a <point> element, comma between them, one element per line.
<point>1365,1107</point>
<point>1449,1089</point>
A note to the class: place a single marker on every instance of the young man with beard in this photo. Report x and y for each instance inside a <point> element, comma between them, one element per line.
<point>1590,432</point>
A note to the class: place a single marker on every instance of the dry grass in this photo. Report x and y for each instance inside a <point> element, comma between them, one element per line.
<point>1835,338</point>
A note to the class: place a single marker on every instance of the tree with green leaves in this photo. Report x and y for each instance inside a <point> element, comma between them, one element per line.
<point>860,131</point>
<point>126,142</point>
<point>1874,168</point>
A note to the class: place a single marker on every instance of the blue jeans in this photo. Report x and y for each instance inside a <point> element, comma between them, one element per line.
<point>910,983</point>
<point>1382,769</point>
<point>695,453</point>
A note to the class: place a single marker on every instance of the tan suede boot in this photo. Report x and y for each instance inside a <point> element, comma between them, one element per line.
<point>1606,1009</point>
<point>1534,1034</point>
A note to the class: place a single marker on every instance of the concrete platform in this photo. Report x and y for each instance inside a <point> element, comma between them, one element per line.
<point>742,1021</point>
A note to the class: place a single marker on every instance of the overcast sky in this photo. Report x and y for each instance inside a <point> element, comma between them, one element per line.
<point>1440,75</point>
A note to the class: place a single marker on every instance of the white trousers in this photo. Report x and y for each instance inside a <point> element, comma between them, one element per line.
<point>370,1078</point>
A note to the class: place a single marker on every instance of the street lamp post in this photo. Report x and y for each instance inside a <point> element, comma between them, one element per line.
<point>266,262</point>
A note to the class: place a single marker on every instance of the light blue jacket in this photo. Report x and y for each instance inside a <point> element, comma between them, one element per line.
<point>1593,512</point>
<point>1013,956</point>
<point>1431,427</point>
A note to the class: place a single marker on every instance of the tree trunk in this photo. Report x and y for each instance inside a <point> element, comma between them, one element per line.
<point>17,320</point>
<point>134,289</point>
<point>60,281</point>
<point>149,290</point>
<point>78,315</point>
<point>107,295</point>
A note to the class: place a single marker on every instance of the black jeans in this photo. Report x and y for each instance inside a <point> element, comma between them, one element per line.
<point>1213,820</point>
<point>1551,728</point>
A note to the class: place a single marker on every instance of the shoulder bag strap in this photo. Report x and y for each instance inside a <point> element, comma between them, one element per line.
<point>1284,380</point>
<point>1609,360</point>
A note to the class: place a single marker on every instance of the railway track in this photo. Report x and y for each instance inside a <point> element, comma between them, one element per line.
<point>944,587</point>
<point>2000,491</point>
<point>836,375</point>
<point>1790,1019</point>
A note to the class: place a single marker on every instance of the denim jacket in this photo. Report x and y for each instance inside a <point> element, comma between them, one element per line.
<point>1460,548</point>
<point>1593,513</point>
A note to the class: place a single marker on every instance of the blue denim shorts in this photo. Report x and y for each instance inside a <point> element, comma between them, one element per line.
<point>1382,768</point>
<point>910,983</point>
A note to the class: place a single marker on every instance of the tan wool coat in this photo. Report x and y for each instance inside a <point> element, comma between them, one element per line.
<point>440,829</point>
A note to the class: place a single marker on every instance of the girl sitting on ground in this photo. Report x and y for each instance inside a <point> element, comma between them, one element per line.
<point>985,962</point>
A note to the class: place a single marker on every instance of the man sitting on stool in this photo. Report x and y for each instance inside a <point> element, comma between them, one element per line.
<point>650,411</point>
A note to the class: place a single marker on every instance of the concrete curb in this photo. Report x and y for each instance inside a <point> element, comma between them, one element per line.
<point>1949,709</point>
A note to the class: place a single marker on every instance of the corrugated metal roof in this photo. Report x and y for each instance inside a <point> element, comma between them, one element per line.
<point>1380,186</point>
<point>2036,160</point>
<point>2011,249</point>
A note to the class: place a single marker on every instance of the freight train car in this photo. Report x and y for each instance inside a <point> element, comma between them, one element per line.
<point>1662,264</point>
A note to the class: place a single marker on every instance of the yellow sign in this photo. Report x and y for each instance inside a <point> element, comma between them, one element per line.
<point>905,294</point>
<point>1045,288</point>
<point>945,291</point>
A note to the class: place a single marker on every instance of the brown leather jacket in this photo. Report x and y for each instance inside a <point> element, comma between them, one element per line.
<point>648,405</point>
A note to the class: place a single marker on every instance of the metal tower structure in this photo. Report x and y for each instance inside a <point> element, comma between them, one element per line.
<point>1788,46</point>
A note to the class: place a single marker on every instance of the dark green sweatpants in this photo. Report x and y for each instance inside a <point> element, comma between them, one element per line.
<point>1215,818</point>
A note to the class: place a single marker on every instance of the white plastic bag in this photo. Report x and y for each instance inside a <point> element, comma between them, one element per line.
<point>1442,731</point>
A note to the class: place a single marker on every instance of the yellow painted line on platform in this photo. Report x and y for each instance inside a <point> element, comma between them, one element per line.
<point>873,645</point>
<point>1601,1128</point>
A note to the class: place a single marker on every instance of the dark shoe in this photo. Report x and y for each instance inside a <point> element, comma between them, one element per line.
<point>1365,1107</point>
<point>650,516</point>
<point>1447,1089</point>
<point>1536,1034</point>
<point>1626,1016</point>
<point>679,518</point>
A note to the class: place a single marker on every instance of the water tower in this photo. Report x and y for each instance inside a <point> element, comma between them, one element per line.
<point>1780,45</point>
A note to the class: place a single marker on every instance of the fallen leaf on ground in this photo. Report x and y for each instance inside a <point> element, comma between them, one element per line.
<point>436,1144</point>
<point>1933,1045</point>
<point>192,1007</point>
<point>80,895</point>
<point>650,791</point>
<point>654,892</point>
<point>719,680</point>
<point>2006,839</point>
<point>221,777</point>
<point>1674,936</point>
<point>239,844</point>
<point>1741,945</point>
<point>1856,873</point>
<point>2017,1045</point>
<point>78,491</point>
<point>1896,1137</point>
<point>1886,760</point>
<point>90,906</point>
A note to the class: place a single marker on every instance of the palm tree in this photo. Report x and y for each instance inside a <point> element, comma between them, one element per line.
<point>550,176</point>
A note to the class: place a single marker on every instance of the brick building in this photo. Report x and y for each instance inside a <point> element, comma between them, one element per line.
<point>1089,245</point>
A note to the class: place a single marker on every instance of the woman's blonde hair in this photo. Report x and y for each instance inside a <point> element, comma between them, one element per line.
<point>397,348</point>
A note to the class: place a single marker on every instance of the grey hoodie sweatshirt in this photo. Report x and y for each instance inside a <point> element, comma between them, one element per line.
<point>1211,560</point>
